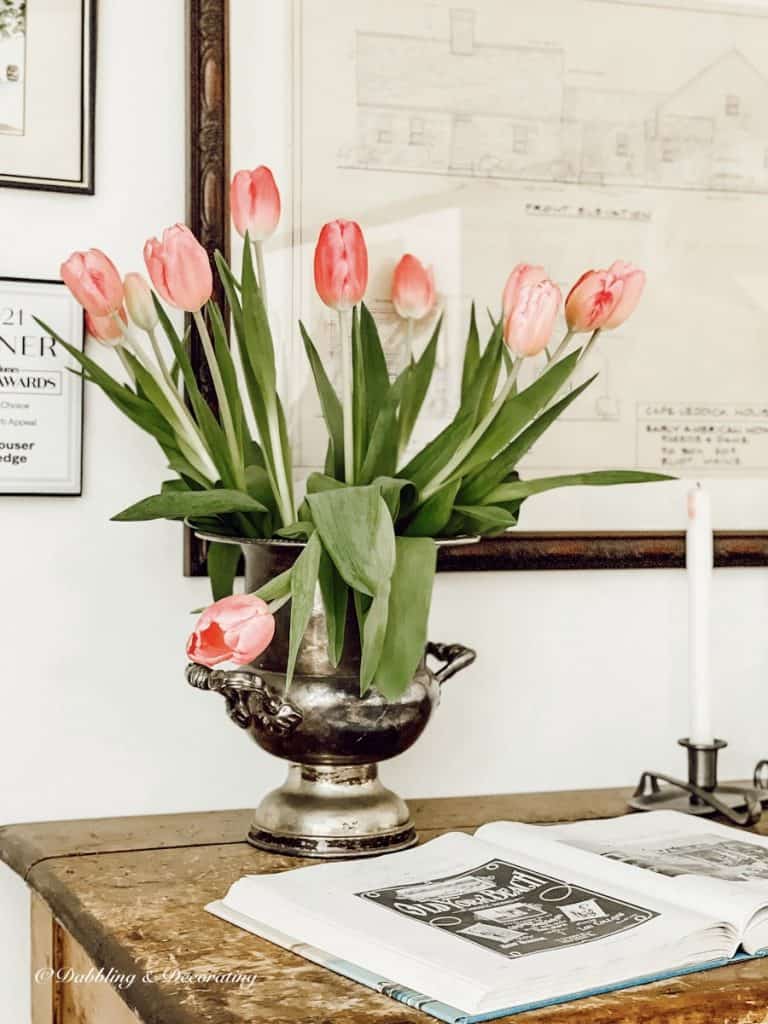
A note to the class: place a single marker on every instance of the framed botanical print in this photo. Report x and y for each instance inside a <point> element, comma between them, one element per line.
<point>47,94</point>
<point>41,400</point>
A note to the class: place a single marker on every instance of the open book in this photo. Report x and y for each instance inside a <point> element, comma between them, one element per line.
<point>517,916</point>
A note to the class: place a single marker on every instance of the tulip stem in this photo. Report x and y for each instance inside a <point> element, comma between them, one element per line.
<point>261,272</point>
<point>277,604</point>
<point>562,346</point>
<point>466,447</point>
<point>190,431</point>
<point>124,361</point>
<point>221,394</point>
<point>191,443</point>
<point>282,485</point>
<point>590,345</point>
<point>345,341</point>
<point>409,340</point>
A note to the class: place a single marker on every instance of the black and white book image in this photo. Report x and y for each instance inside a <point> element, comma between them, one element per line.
<point>513,911</point>
<point>520,916</point>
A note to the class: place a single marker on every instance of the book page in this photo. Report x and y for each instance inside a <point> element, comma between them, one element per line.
<point>704,857</point>
<point>468,922</point>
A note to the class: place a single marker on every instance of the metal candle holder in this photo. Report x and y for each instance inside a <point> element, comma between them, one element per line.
<point>701,794</point>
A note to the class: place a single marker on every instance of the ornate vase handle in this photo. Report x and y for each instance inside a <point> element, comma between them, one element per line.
<point>237,687</point>
<point>455,657</point>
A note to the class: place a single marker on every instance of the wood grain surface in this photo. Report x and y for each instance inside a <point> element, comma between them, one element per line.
<point>130,893</point>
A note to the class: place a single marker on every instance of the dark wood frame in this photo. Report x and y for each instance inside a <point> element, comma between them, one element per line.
<point>86,185</point>
<point>207,22</point>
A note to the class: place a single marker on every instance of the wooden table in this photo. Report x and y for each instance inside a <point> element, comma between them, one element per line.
<point>126,895</point>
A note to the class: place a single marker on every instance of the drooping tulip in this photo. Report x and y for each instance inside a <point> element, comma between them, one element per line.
<point>138,299</point>
<point>179,268</point>
<point>413,288</point>
<point>528,323</point>
<point>94,281</point>
<point>341,264</point>
<point>236,628</point>
<point>254,201</point>
<point>633,281</point>
<point>105,329</point>
<point>522,276</point>
<point>604,298</point>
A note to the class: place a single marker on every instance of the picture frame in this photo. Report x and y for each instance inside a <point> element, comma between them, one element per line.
<point>41,401</point>
<point>209,104</point>
<point>48,95</point>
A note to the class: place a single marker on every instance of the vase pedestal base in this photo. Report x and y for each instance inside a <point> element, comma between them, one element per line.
<point>334,812</point>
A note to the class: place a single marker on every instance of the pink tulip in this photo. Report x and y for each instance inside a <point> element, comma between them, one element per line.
<point>179,268</point>
<point>94,281</point>
<point>105,328</point>
<point>528,323</point>
<point>341,264</point>
<point>633,281</point>
<point>236,628</point>
<point>413,288</point>
<point>255,203</point>
<point>138,299</point>
<point>604,298</point>
<point>523,275</point>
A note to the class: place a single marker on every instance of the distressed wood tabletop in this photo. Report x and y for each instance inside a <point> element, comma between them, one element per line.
<point>131,892</point>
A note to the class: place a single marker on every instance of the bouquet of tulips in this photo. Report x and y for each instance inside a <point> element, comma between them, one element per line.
<point>369,521</point>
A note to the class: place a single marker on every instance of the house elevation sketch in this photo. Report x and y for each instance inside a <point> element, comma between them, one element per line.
<point>434,104</point>
<point>477,134</point>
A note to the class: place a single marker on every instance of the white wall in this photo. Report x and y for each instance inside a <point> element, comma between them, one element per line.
<point>580,678</point>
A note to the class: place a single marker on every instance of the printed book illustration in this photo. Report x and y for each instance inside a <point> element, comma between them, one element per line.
<point>514,912</point>
<point>516,917</point>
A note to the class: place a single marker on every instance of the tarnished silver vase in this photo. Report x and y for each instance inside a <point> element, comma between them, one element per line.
<point>332,804</point>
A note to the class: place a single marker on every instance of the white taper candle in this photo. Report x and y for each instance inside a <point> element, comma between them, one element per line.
<point>699,561</point>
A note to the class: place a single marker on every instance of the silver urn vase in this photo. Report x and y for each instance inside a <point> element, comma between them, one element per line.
<point>332,803</point>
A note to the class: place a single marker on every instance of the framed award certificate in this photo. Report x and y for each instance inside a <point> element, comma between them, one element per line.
<point>41,401</point>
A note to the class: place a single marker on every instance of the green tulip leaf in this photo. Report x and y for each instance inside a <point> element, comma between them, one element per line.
<point>222,564</point>
<point>415,388</point>
<point>432,517</point>
<point>600,478</point>
<point>303,583</point>
<point>356,530</point>
<point>179,505</point>
<point>471,354</point>
<point>475,487</point>
<point>374,629</point>
<point>335,600</point>
<point>329,403</point>
<point>410,597</point>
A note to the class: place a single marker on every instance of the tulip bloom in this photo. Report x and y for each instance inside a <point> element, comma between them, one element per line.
<point>105,328</point>
<point>236,628</point>
<point>254,202</point>
<point>138,299</point>
<point>604,298</point>
<point>413,288</point>
<point>633,283</point>
<point>94,281</point>
<point>528,323</point>
<point>179,268</point>
<point>341,264</point>
<point>522,276</point>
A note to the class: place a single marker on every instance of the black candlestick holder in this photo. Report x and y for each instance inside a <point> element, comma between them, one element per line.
<point>702,793</point>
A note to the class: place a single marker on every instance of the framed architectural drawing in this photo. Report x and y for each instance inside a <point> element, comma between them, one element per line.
<point>47,94</point>
<point>41,401</point>
<point>480,134</point>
